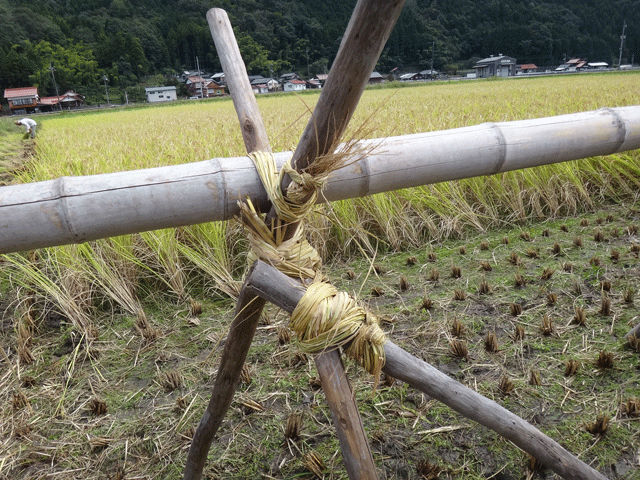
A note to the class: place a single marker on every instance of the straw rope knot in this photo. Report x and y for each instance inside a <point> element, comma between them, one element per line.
<point>325,318</point>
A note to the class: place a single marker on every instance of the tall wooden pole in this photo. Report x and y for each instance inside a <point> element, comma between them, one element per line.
<point>249,306</point>
<point>254,132</point>
<point>366,35</point>
<point>356,452</point>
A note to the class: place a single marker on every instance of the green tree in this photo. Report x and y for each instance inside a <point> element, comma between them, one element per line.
<point>20,62</point>
<point>75,67</point>
<point>255,56</point>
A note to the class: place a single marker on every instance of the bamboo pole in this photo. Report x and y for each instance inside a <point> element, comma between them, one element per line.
<point>78,209</point>
<point>275,287</point>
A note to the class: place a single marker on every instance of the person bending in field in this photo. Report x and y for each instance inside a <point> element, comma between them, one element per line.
<point>30,125</point>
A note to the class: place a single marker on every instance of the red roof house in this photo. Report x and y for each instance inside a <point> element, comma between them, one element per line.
<point>22,100</point>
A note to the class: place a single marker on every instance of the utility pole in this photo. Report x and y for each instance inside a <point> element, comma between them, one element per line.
<point>104,77</point>
<point>52,69</point>
<point>307,51</point>
<point>200,79</point>
<point>271,78</point>
<point>433,54</point>
<point>622,37</point>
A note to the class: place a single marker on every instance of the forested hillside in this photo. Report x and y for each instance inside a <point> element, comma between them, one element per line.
<point>127,40</point>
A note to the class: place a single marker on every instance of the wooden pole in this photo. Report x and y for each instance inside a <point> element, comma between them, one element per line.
<point>362,43</point>
<point>634,332</point>
<point>357,455</point>
<point>249,306</point>
<point>266,282</point>
<point>79,209</point>
<point>254,132</point>
<point>247,314</point>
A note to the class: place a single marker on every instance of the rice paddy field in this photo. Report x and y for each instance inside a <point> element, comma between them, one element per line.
<point>521,286</point>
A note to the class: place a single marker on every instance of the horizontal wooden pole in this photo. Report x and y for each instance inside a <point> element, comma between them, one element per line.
<point>78,209</point>
<point>284,292</point>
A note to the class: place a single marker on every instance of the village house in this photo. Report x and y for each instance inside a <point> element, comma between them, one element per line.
<point>287,77</point>
<point>71,99</point>
<point>500,66</point>
<point>273,85</point>
<point>295,86</point>
<point>320,78</point>
<point>212,89</point>
<point>259,89</point>
<point>375,77</point>
<point>66,101</point>
<point>219,78</point>
<point>22,100</point>
<point>260,84</point>
<point>195,85</point>
<point>572,65</point>
<point>527,68</point>
<point>160,94</point>
<point>429,74</point>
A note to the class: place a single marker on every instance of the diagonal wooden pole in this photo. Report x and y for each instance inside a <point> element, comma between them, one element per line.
<point>358,459</point>
<point>355,448</point>
<point>367,33</point>
<point>285,293</point>
<point>249,306</point>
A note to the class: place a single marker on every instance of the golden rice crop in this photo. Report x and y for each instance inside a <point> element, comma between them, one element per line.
<point>135,138</point>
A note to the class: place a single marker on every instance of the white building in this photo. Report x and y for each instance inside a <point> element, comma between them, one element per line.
<point>294,86</point>
<point>160,94</point>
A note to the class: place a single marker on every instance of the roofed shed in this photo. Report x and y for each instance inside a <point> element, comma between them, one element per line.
<point>500,66</point>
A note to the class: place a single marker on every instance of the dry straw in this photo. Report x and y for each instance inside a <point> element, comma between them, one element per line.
<point>324,318</point>
<point>327,318</point>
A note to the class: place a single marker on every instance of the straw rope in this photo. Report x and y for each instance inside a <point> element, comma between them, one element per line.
<point>325,318</point>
